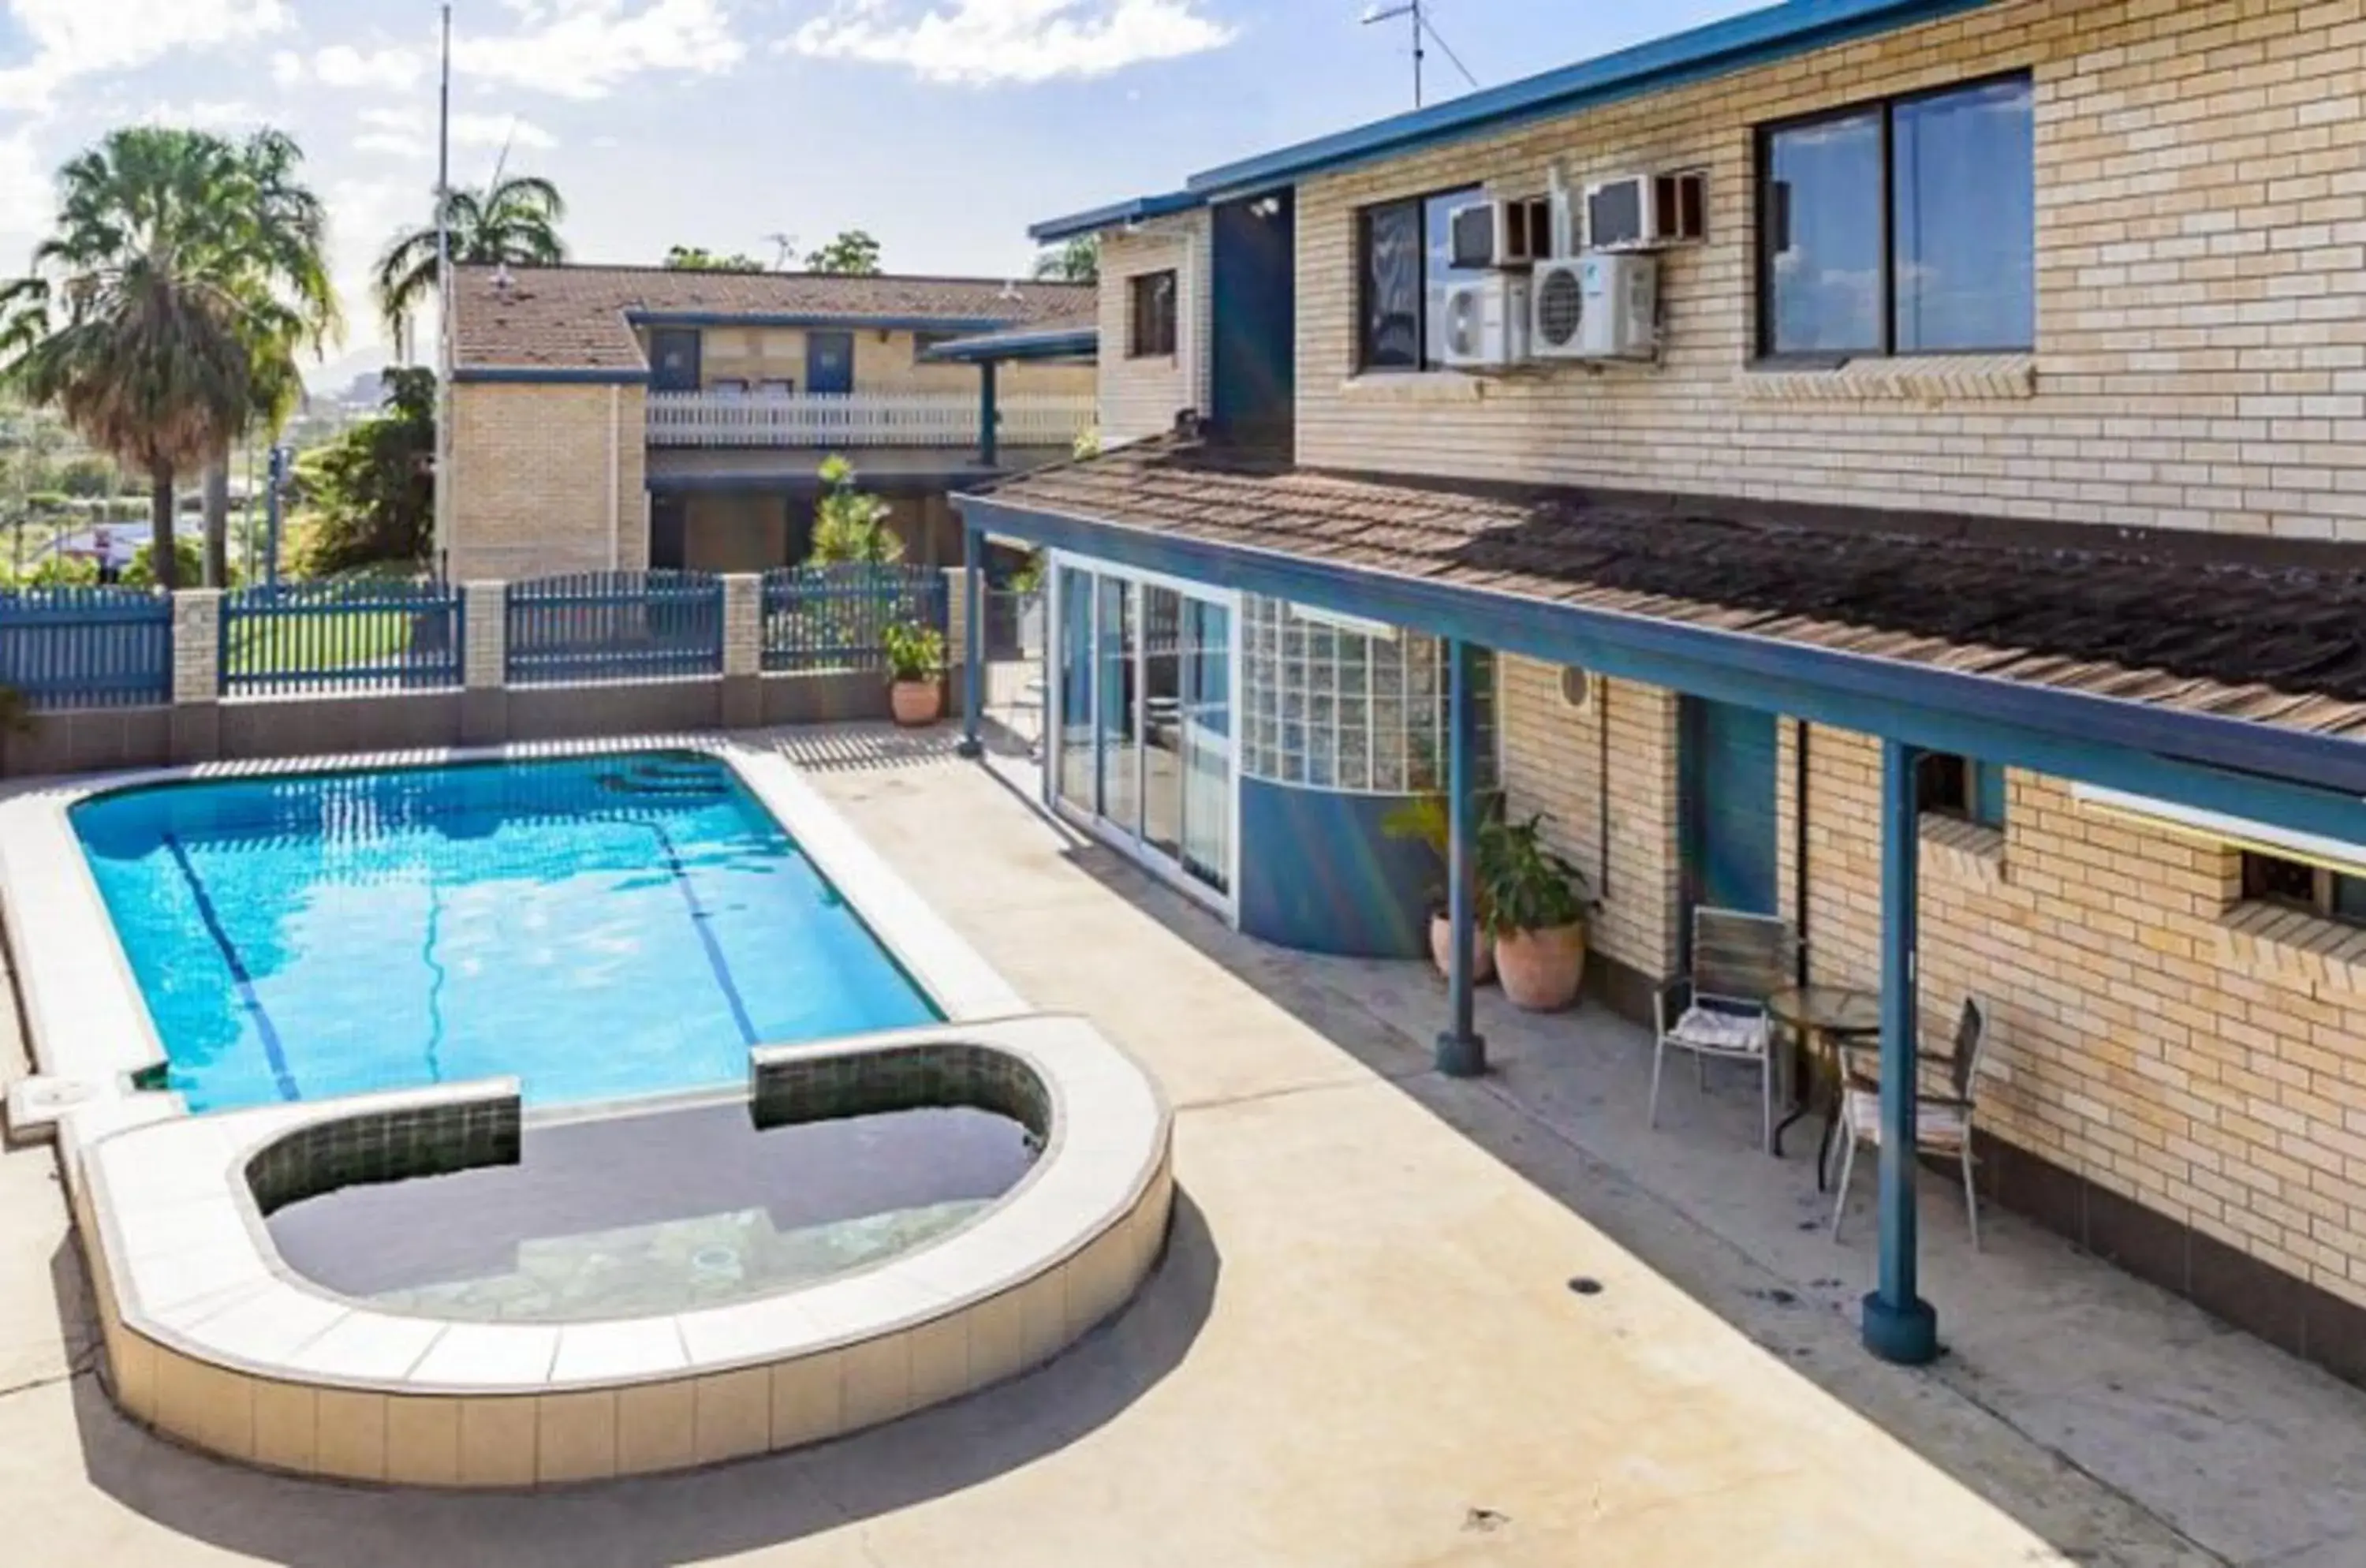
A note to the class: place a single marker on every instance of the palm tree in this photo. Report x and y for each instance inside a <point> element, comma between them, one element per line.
<point>514,220</point>
<point>286,233</point>
<point>149,318</point>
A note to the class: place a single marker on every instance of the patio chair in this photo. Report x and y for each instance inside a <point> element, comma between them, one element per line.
<point>1718,1010</point>
<point>1943,1123</point>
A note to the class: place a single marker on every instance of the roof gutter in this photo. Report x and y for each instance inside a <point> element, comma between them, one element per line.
<point>1117,215</point>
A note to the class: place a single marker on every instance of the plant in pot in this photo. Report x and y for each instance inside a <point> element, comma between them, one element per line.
<point>1535,904</point>
<point>916,673</point>
<point>1424,819</point>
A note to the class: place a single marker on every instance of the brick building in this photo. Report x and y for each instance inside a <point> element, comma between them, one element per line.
<point>1961,556</point>
<point>619,418</point>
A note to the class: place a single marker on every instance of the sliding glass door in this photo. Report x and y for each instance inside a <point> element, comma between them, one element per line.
<point>1144,736</point>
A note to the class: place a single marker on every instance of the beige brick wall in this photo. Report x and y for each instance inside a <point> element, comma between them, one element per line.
<point>547,479</point>
<point>884,362</point>
<point>2141,1038</point>
<point>2201,356</point>
<point>1552,759</point>
<point>1142,397</point>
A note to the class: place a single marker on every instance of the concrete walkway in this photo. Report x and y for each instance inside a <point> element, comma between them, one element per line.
<point>1363,1346</point>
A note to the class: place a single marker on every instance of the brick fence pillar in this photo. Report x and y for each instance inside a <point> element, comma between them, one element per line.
<point>196,675</point>
<point>484,664</point>
<point>743,651</point>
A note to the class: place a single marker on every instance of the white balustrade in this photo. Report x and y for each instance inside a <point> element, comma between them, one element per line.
<point>861,419</point>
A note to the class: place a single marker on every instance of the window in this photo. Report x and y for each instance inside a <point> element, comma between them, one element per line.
<point>1404,263</point>
<point>2296,885</point>
<point>1960,788</point>
<point>1906,227</point>
<point>923,342</point>
<point>1150,296</point>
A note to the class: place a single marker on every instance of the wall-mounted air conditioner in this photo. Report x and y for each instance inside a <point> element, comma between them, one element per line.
<point>1503,232</point>
<point>1486,323</point>
<point>1595,307</point>
<point>1646,212</point>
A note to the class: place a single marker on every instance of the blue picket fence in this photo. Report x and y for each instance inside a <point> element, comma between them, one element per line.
<point>361,636</point>
<point>86,648</point>
<point>612,625</point>
<point>835,618</point>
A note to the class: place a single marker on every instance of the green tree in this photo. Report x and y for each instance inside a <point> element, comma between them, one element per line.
<point>286,233</point>
<point>850,527</point>
<point>514,220</point>
<point>368,495</point>
<point>141,571</point>
<point>695,258</point>
<point>1078,261</point>
<point>855,254</point>
<point>148,319</point>
<point>88,478</point>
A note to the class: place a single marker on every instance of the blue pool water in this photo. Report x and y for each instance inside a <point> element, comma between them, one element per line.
<point>599,927</point>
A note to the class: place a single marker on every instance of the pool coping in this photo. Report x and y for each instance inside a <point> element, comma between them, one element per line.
<point>87,1023</point>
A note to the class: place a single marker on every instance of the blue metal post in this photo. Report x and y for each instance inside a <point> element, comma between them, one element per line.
<point>974,628</point>
<point>987,415</point>
<point>1899,1326</point>
<point>1462,1053</point>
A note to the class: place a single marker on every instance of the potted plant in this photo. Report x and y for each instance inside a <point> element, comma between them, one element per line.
<point>916,673</point>
<point>1424,820</point>
<point>1536,904</point>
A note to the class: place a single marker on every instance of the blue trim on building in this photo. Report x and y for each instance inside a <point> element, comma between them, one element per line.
<point>1319,875</point>
<point>1755,37</point>
<point>1117,213</point>
<point>545,376</point>
<point>2309,782</point>
<point>815,319</point>
<point>1048,343</point>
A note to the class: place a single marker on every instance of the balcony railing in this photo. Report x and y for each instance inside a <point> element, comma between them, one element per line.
<point>861,419</point>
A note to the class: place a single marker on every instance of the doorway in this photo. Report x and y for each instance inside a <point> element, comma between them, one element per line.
<point>829,362</point>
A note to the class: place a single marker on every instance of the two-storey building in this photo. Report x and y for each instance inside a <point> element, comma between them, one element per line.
<point>1895,465</point>
<point>611,418</point>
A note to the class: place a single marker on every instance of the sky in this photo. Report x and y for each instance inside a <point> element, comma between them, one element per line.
<point>943,127</point>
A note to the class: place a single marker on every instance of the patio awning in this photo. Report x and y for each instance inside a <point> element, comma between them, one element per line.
<point>1077,340</point>
<point>2079,651</point>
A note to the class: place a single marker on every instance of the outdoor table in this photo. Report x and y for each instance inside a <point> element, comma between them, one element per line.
<point>1826,1018</point>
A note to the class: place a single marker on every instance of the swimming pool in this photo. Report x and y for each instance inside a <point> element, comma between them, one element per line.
<point>599,927</point>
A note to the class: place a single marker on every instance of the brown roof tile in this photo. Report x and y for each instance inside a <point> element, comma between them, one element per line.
<point>2277,638</point>
<point>574,318</point>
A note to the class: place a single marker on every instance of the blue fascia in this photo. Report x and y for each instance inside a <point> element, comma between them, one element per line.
<point>547,376</point>
<point>1052,343</point>
<point>1116,215</point>
<point>1756,38</point>
<point>809,318</point>
<point>2310,784</point>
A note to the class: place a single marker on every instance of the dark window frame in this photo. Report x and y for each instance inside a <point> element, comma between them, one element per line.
<point>1419,201</point>
<point>1762,187</point>
<point>1963,789</point>
<point>2263,872</point>
<point>1161,337</point>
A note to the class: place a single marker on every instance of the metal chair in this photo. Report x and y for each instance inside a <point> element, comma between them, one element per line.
<point>1718,1010</point>
<point>1943,1123</point>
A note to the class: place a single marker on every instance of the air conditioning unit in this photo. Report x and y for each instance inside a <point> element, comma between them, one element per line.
<point>1504,232</point>
<point>1595,307</point>
<point>1486,323</point>
<point>1646,212</point>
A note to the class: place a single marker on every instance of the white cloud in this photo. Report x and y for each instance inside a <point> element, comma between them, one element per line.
<point>410,132</point>
<point>74,39</point>
<point>342,65</point>
<point>984,42</point>
<point>205,113</point>
<point>585,48</point>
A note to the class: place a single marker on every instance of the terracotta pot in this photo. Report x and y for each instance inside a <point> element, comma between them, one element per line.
<point>1441,949</point>
<point>1542,970</point>
<point>915,703</point>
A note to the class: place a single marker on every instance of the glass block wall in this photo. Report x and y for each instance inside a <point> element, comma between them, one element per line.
<point>1334,708</point>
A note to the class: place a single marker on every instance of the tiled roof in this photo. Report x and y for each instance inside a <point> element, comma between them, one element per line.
<point>2217,627</point>
<point>576,318</point>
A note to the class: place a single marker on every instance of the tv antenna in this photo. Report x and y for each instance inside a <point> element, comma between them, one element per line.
<point>1416,13</point>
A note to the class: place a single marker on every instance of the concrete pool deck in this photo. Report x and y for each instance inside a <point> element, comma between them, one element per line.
<point>1361,1348</point>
